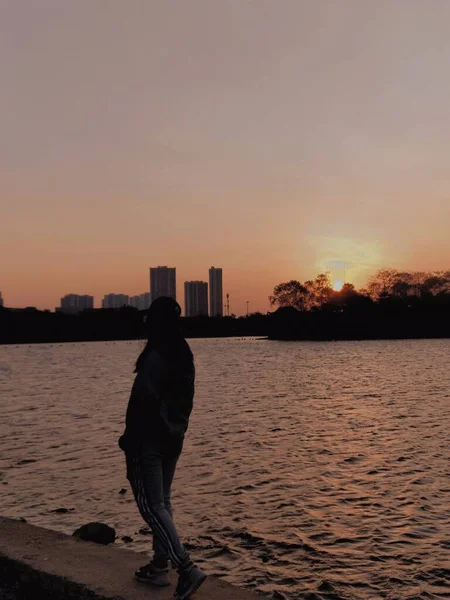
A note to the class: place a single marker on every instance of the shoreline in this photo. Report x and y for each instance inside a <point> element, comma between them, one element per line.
<point>114,341</point>
<point>265,338</point>
<point>37,562</point>
<point>379,323</point>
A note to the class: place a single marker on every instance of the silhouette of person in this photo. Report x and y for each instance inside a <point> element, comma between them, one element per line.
<point>157,418</point>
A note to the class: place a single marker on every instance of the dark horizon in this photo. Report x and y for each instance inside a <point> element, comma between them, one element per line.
<point>395,305</point>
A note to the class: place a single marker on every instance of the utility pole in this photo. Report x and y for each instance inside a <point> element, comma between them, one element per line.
<point>248,302</point>
<point>228,305</point>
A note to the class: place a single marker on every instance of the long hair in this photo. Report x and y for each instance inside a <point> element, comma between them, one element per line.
<point>164,335</point>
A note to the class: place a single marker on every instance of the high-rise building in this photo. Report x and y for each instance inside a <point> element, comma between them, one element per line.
<point>1,299</point>
<point>86,302</point>
<point>215,293</point>
<point>76,303</point>
<point>146,300</point>
<point>115,301</point>
<point>141,302</point>
<point>196,298</point>
<point>163,282</point>
<point>134,301</point>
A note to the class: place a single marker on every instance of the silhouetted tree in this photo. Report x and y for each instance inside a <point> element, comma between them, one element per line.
<point>310,295</point>
<point>405,285</point>
<point>290,294</point>
<point>348,298</point>
<point>435,283</point>
<point>382,282</point>
<point>319,291</point>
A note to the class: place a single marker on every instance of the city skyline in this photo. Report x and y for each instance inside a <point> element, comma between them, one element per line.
<point>270,138</point>
<point>199,298</point>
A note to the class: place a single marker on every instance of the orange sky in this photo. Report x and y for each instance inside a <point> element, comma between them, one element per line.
<point>265,137</point>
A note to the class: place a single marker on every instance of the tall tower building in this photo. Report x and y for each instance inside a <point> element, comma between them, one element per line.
<point>215,293</point>
<point>196,298</point>
<point>1,299</point>
<point>163,282</point>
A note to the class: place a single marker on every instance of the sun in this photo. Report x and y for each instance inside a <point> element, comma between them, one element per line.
<point>338,285</point>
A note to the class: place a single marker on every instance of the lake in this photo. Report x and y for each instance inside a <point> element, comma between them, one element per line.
<point>320,468</point>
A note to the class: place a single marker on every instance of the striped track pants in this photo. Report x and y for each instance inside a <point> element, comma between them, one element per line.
<point>146,473</point>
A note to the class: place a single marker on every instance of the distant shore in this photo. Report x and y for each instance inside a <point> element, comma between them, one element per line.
<point>30,326</point>
<point>377,325</point>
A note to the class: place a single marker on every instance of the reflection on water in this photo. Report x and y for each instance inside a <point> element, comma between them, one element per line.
<point>309,467</point>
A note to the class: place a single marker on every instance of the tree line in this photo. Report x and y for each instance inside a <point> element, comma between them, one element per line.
<point>395,304</point>
<point>386,287</point>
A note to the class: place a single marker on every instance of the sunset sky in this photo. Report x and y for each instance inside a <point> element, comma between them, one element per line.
<point>266,137</point>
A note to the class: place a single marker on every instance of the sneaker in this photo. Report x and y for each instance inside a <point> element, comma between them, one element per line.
<point>153,575</point>
<point>188,582</point>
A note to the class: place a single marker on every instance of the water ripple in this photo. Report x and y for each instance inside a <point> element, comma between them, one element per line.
<point>311,470</point>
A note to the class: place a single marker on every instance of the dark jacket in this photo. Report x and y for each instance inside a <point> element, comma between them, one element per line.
<point>160,404</point>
